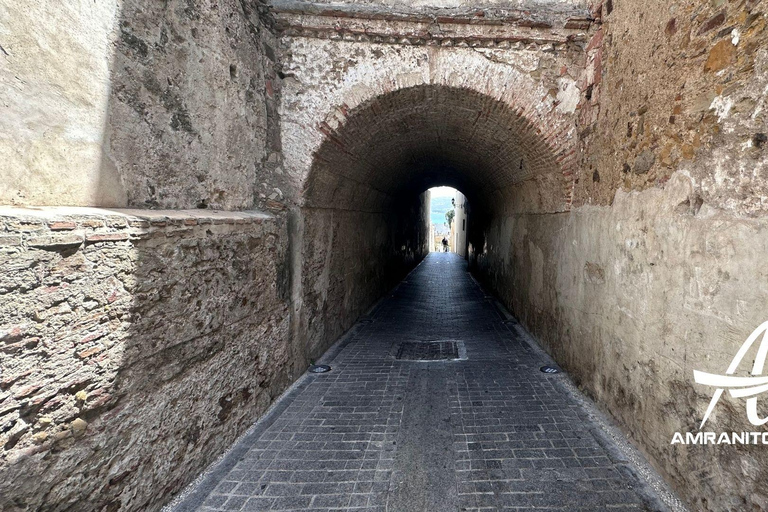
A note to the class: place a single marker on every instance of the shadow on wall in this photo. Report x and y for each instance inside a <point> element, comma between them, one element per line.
<point>136,346</point>
<point>192,117</point>
<point>133,102</point>
<point>350,259</point>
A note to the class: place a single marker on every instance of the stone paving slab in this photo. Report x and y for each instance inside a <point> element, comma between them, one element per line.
<point>490,432</point>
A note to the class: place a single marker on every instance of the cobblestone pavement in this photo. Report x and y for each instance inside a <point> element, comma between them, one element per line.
<point>484,431</point>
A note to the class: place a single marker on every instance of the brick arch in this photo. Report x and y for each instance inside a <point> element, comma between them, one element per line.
<point>512,150</point>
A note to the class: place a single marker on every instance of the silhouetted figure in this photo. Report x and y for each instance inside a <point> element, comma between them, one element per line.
<point>445,245</point>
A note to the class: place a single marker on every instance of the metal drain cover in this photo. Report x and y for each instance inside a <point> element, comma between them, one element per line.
<point>429,351</point>
<point>549,369</point>
<point>319,368</point>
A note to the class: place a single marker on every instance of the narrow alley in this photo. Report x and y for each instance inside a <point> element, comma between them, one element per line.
<point>528,237</point>
<point>434,402</point>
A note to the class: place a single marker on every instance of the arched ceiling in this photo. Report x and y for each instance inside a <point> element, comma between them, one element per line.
<point>409,140</point>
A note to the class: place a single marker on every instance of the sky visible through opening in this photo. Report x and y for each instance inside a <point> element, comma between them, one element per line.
<point>441,203</point>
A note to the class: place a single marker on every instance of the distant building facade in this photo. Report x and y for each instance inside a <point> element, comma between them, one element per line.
<point>459,226</point>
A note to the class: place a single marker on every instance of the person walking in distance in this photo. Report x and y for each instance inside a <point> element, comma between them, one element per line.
<point>445,245</point>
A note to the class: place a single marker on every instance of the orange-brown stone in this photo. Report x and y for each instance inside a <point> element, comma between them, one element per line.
<point>720,56</point>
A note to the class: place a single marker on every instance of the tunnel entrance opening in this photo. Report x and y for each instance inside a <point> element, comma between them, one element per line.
<point>365,206</point>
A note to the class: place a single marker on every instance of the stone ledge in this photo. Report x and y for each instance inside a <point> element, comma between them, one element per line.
<point>544,15</point>
<point>59,227</point>
<point>58,214</point>
<point>475,27</point>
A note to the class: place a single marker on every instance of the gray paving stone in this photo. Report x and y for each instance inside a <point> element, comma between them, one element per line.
<point>379,433</point>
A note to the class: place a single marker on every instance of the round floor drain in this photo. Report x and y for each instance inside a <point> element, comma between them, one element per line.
<point>549,369</point>
<point>319,368</point>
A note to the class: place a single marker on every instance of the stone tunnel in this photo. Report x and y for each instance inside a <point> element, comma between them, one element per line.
<point>201,197</point>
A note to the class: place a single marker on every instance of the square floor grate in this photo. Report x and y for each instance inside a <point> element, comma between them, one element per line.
<point>428,351</point>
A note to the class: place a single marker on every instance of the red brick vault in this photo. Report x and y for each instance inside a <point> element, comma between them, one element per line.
<point>364,210</point>
<point>478,94</point>
<point>419,136</point>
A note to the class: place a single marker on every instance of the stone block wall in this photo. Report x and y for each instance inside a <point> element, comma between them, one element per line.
<point>677,89</point>
<point>135,347</point>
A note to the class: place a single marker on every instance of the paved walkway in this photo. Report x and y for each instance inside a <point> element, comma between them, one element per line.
<point>486,430</point>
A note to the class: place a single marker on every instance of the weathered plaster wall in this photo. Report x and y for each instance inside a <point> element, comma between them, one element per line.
<point>134,348</point>
<point>630,299</point>
<point>666,275</point>
<point>152,104</point>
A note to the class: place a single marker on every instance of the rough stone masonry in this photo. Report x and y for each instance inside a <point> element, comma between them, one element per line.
<point>201,196</point>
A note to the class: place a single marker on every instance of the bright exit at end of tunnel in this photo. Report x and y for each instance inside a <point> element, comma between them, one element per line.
<point>448,214</point>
